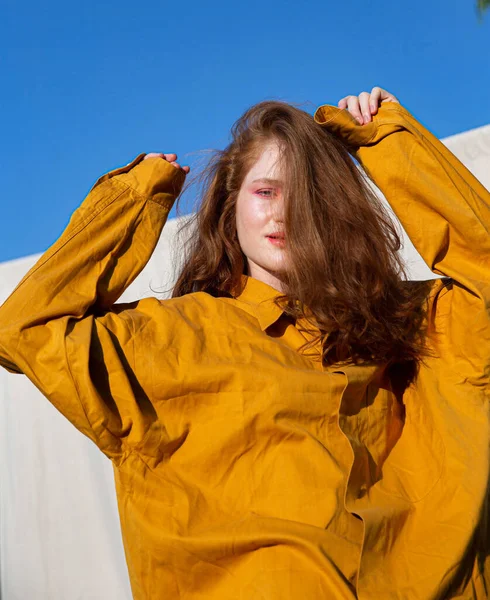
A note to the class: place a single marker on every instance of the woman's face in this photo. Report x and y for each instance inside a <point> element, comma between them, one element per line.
<point>260,214</point>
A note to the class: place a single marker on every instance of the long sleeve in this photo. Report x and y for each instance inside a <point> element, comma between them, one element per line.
<point>60,326</point>
<point>445,211</point>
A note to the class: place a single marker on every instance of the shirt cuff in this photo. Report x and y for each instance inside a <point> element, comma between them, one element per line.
<point>391,116</point>
<point>149,178</point>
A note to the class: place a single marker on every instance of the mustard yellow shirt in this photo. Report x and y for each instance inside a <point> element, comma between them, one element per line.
<point>245,470</point>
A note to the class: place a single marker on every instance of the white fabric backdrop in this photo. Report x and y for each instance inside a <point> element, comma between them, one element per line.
<point>60,537</point>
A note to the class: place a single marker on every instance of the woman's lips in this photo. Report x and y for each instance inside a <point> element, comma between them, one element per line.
<point>277,241</point>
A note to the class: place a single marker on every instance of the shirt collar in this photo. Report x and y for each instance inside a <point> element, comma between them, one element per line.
<point>259,296</point>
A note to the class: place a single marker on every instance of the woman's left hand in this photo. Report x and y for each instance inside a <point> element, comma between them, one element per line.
<point>366,104</point>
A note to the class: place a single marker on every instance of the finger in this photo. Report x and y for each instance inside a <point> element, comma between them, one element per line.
<point>375,98</point>
<point>353,108</point>
<point>364,106</point>
<point>170,156</point>
<point>390,98</point>
<point>153,155</point>
<point>342,103</point>
<point>186,169</point>
<point>385,96</point>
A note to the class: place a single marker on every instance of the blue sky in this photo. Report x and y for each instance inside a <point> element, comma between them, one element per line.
<point>88,86</point>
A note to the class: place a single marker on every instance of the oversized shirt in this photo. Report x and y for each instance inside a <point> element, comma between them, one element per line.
<point>244,469</point>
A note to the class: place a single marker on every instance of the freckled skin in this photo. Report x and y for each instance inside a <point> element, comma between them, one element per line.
<point>260,211</point>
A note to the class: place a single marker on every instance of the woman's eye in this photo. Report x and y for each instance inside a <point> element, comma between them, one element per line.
<point>268,193</point>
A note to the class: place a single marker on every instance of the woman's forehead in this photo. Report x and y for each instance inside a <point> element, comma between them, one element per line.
<point>267,165</point>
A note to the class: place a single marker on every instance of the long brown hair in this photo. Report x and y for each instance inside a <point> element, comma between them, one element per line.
<point>345,276</point>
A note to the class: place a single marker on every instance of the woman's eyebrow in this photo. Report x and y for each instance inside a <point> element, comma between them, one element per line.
<point>268,180</point>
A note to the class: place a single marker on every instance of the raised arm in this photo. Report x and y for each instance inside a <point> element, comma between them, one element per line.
<point>60,326</point>
<point>445,211</point>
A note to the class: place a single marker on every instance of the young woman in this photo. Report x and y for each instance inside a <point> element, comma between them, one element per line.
<point>298,420</point>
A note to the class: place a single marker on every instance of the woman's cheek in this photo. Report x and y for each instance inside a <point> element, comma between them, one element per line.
<point>257,212</point>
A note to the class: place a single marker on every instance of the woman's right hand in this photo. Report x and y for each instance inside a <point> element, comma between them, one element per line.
<point>171,159</point>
